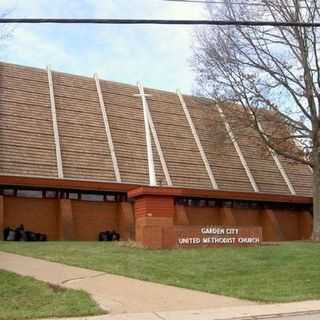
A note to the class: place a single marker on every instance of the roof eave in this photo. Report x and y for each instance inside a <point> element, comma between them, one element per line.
<point>135,190</point>
<point>218,194</point>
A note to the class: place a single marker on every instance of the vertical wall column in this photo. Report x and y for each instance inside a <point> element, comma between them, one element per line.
<point>1,217</point>
<point>65,220</point>
<point>306,225</point>
<point>181,217</point>
<point>271,229</point>
<point>55,125</point>
<point>227,217</point>
<point>126,221</point>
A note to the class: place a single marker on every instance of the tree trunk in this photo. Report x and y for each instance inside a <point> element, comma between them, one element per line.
<point>316,191</point>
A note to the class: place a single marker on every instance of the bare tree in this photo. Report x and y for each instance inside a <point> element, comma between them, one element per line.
<point>272,72</point>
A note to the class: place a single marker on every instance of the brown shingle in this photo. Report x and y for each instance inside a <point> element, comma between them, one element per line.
<point>27,145</point>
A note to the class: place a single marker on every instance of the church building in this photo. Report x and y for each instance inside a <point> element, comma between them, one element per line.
<point>81,155</point>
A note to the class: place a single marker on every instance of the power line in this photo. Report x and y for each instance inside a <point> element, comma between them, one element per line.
<point>217,2</point>
<point>157,22</point>
<point>252,4</point>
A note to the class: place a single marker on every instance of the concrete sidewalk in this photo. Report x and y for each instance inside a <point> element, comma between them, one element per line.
<point>291,311</point>
<point>129,299</point>
<point>117,294</point>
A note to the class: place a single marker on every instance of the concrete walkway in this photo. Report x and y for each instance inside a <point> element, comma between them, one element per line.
<point>233,313</point>
<point>118,294</point>
<point>129,299</point>
<point>287,311</point>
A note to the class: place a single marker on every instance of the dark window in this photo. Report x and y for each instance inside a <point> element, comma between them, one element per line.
<point>29,193</point>
<point>203,203</point>
<point>110,197</point>
<point>241,205</point>
<point>92,197</point>
<point>181,201</point>
<point>212,203</point>
<point>227,204</point>
<point>8,192</point>
<point>50,194</point>
<point>195,202</point>
<point>73,195</point>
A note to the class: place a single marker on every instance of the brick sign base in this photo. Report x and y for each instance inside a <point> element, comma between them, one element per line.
<point>217,236</point>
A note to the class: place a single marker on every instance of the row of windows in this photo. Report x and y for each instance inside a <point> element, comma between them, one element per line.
<point>63,194</point>
<point>240,204</point>
<point>214,203</point>
<point>120,197</point>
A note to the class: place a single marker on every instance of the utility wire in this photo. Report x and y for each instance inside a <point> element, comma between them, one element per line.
<point>248,4</point>
<point>158,22</point>
<point>217,2</point>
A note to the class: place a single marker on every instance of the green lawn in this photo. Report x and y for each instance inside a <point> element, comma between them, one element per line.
<point>27,298</point>
<point>287,272</point>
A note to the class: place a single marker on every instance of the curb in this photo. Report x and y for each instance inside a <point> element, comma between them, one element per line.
<point>276,315</point>
<point>160,316</point>
<point>265,311</point>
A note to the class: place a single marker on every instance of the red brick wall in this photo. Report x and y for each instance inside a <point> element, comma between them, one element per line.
<point>126,221</point>
<point>289,223</point>
<point>1,217</point>
<point>154,206</point>
<point>271,229</point>
<point>278,224</point>
<point>65,220</point>
<point>82,220</point>
<point>306,225</point>
<point>247,217</point>
<point>213,216</point>
<point>90,218</point>
<point>38,215</point>
<point>152,215</point>
<point>203,216</point>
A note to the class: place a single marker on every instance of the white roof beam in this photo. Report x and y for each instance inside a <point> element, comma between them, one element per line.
<point>155,135</point>
<point>107,129</point>
<point>197,140</point>
<point>159,149</point>
<point>279,164</point>
<point>238,150</point>
<point>151,168</point>
<point>282,171</point>
<point>55,125</point>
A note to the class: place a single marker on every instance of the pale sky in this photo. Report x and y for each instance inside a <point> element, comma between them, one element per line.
<point>156,55</point>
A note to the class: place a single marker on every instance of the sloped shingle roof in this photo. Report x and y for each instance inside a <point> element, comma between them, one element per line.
<point>27,146</point>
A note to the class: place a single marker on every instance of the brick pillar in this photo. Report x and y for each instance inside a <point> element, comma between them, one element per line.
<point>154,216</point>
<point>227,217</point>
<point>271,229</point>
<point>65,220</point>
<point>1,217</point>
<point>306,225</point>
<point>126,220</point>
